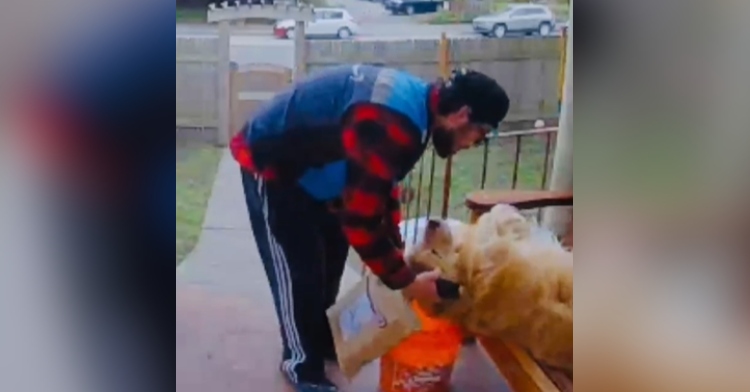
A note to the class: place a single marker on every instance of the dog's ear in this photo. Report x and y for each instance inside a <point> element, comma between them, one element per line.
<point>431,232</point>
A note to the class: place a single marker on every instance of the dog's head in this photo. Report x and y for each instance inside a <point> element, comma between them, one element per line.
<point>437,249</point>
<point>440,248</point>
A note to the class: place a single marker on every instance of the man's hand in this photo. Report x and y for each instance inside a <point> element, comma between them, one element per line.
<point>424,287</point>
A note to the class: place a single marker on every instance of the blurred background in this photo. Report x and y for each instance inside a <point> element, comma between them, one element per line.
<point>662,182</point>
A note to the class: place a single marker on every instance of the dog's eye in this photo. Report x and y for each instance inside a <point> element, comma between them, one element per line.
<point>434,252</point>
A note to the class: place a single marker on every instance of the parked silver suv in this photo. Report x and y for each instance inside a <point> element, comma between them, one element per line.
<point>517,18</point>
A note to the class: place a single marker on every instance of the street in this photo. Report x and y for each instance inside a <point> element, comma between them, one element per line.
<point>382,29</point>
<point>256,44</point>
<point>374,20</point>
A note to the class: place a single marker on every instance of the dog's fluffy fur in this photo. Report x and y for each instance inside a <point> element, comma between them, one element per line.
<point>513,287</point>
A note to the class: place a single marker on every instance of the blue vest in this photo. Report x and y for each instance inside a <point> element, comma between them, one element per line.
<point>321,101</point>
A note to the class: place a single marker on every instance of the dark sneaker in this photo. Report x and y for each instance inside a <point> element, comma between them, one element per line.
<point>321,384</point>
<point>316,387</point>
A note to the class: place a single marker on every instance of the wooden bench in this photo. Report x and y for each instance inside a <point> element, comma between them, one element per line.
<point>521,371</point>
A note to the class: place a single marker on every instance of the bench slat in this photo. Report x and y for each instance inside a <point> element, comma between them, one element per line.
<point>522,373</point>
<point>562,380</point>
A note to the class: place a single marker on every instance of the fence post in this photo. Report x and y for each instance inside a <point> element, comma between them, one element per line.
<point>224,99</point>
<point>558,218</point>
<point>233,97</point>
<point>300,50</point>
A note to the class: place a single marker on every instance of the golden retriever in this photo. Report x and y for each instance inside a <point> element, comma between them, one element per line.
<point>514,287</point>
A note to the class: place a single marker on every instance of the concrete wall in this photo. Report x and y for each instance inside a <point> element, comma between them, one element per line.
<point>528,68</point>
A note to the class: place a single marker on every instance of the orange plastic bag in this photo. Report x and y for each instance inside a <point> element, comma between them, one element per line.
<point>423,362</point>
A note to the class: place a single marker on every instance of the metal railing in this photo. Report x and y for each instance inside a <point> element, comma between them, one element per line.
<point>508,160</point>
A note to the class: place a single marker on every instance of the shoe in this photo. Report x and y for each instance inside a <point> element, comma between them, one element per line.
<point>325,386</point>
<point>321,384</point>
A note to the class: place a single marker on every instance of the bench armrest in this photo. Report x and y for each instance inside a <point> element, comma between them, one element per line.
<point>483,201</point>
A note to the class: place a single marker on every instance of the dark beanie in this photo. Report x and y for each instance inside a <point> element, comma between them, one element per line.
<point>488,101</point>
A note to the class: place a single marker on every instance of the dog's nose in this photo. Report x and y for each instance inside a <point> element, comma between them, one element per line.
<point>433,224</point>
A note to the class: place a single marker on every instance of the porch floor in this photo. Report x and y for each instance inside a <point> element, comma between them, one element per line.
<point>230,344</point>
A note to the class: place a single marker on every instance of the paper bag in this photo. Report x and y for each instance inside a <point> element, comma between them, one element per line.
<point>369,321</point>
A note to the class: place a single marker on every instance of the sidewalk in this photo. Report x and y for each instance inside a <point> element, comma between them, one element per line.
<point>227,334</point>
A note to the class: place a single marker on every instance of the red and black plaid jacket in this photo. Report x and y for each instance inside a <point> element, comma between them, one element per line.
<point>380,146</point>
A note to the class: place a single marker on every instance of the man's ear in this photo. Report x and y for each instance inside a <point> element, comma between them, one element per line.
<point>464,113</point>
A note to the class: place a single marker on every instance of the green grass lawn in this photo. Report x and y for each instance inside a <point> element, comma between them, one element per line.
<point>196,167</point>
<point>191,15</point>
<point>467,173</point>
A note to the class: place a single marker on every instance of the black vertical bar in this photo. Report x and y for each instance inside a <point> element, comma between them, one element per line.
<point>517,159</point>
<point>484,166</point>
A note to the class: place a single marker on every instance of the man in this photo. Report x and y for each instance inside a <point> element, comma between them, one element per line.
<point>320,163</point>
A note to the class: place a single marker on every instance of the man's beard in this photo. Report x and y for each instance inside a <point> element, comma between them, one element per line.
<point>442,141</point>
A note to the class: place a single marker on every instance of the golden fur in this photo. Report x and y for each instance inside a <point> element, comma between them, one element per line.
<point>513,287</point>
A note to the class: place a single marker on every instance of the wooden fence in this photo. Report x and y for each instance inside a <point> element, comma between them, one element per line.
<point>527,68</point>
<point>197,82</point>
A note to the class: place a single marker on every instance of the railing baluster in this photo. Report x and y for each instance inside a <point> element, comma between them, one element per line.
<point>447,187</point>
<point>432,181</point>
<point>545,169</point>
<point>515,162</point>
<point>410,198</point>
<point>484,166</point>
<point>547,148</point>
<point>419,192</point>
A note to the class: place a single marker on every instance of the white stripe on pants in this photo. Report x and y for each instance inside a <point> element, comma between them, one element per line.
<point>284,293</point>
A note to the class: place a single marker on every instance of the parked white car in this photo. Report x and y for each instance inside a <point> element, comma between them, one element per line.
<point>329,22</point>
<point>517,18</point>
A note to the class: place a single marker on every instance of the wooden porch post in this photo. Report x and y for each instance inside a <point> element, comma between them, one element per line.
<point>558,219</point>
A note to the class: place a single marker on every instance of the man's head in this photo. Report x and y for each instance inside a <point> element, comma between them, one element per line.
<point>470,104</point>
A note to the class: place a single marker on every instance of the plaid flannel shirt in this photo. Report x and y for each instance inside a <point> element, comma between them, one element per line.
<point>380,146</point>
